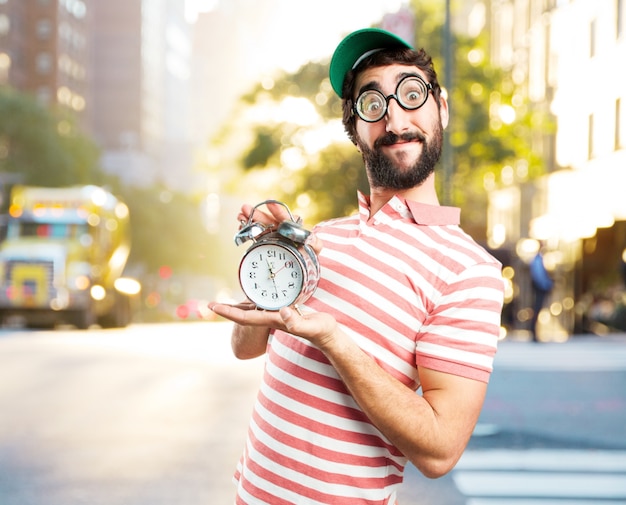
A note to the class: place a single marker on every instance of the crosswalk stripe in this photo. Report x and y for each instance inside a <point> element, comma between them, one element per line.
<point>544,460</point>
<point>525,501</point>
<point>541,485</point>
<point>569,356</point>
<point>542,477</point>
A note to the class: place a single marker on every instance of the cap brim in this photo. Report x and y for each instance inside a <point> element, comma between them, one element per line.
<point>355,45</point>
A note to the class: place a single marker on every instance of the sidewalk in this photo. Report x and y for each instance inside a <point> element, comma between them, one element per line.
<point>579,352</point>
<point>524,336</point>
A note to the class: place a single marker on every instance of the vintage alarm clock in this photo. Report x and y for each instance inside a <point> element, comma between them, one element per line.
<point>279,269</point>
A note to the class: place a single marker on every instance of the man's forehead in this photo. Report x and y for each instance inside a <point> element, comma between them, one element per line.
<point>378,76</point>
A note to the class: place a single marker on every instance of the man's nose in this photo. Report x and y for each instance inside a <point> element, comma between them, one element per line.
<point>396,118</point>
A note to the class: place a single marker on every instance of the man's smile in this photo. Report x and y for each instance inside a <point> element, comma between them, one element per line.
<point>391,139</point>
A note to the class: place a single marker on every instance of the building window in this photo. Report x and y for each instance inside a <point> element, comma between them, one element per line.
<point>5,24</point>
<point>77,8</point>
<point>5,66</point>
<point>43,63</point>
<point>44,95</point>
<point>44,29</point>
<point>590,138</point>
<point>592,39</point>
<point>618,124</point>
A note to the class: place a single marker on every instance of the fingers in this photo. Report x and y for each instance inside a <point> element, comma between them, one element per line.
<point>259,216</point>
<point>246,305</point>
<point>315,242</point>
<point>246,314</point>
<point>316,327</point>
<point>277,213</point>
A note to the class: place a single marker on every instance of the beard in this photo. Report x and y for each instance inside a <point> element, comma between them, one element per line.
<point>383,173</point>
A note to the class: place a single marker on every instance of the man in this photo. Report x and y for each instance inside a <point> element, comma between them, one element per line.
<point>542,284</point>
<point>390,359</point>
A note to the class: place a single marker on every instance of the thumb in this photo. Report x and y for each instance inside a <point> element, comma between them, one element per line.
<point>315,242</point>
<point>289,316</point>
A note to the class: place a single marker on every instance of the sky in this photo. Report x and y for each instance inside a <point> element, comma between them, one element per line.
<point>314,27</point>
<point>264,36</point>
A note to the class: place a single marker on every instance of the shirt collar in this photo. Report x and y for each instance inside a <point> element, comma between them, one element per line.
<point>435,215</point>
<point>422,213</point>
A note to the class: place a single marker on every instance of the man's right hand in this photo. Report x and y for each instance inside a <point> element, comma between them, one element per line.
<point>276,214</point>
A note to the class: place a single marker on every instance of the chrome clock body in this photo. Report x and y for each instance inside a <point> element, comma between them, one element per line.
<point>279,269</point>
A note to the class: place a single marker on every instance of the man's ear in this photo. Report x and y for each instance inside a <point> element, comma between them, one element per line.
<point>443,112</point>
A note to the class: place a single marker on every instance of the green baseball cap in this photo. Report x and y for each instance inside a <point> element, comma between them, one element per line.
<point>356,46</point>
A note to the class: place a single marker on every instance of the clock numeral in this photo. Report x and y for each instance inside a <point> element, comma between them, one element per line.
<point>274,295</point>
<point>289,264</point>
<point>294,274</point>
<point>252,275</point>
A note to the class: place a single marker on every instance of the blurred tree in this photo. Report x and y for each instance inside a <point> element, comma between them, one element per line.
<point>43,146</point>
<point>491,129</point>
<point>285,140</point>
<point>492,123</point>
<point>166,229</point>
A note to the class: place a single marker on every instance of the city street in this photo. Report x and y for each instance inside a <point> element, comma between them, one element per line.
<point>157,414</point>
<point>552,431</point>
<point>150,415</point>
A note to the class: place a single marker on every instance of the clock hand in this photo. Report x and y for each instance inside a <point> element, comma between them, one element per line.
<point>284,265</point>
<point>269,267</point>
<point>272,275</point>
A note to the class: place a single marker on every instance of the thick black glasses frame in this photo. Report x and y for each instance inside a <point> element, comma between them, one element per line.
<point>386,99</point>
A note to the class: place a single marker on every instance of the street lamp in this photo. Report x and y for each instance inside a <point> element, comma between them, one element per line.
<point>447,84</point>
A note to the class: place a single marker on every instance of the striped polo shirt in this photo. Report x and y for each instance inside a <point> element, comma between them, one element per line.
<point>412,290</point>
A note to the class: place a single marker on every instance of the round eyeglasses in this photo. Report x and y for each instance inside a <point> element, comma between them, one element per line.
<point>411,93</point>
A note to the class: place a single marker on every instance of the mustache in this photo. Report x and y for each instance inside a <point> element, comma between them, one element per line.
<point>390,138</point>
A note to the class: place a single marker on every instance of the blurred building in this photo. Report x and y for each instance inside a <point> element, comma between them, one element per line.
<point>218,75</point>
<point>229,40</point>
<point>122,66</point>
<point>141,79</point>
<point>565,56</point>
<point>45,50</point>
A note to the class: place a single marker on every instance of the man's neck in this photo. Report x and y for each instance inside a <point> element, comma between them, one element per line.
<point>424,193</point>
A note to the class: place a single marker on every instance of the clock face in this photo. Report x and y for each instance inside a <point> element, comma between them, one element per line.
<point>271,276</point>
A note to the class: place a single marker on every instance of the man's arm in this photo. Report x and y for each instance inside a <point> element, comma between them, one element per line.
<point>248,339</point>
<point>431,430</point>
<point>248,343</point>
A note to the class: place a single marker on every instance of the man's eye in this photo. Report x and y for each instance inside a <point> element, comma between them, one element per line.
<point>372,107</point>
<point>413,96</point>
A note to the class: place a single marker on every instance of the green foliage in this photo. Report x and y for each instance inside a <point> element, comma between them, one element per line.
<point>483,146</point>
<point>265,147</point>
<point>41,146</point>
<point>329,183</point>
<point>310,81</point>
<point>167,229</point>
